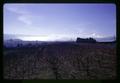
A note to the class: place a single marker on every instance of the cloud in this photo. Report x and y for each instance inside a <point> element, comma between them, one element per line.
<point>23,15</point>
<point>95,35</point>
<point>25,19</point>
<point>19,9</point>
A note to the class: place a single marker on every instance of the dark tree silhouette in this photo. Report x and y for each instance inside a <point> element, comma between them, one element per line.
<point>19,45</point>
<point>87,40</point>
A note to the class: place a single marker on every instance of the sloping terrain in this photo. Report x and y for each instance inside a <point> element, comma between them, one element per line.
<point>61,61</point>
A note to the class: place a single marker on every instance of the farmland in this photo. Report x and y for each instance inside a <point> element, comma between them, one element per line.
<point>61,61</point>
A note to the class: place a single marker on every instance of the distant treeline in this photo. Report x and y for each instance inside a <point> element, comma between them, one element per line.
<point>87,40</point>
<point>91,40</point>
<point>37,44</point>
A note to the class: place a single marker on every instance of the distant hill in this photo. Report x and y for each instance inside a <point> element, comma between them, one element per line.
<point>9,36</point>
<point>106,39</point>
<point>12,42</point>
<point>16,37</point>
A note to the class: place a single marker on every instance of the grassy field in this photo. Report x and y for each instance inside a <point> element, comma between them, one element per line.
<point>61,61</point>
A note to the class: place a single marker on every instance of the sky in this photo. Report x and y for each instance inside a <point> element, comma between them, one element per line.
<point>59,21</point>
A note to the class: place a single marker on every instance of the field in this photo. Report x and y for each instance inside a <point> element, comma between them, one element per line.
<point>61,61</point>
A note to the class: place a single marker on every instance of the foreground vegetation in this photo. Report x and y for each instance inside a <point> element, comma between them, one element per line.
<point>61,61</point>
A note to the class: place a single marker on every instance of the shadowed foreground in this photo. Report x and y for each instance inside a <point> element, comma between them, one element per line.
<point>61,61</point>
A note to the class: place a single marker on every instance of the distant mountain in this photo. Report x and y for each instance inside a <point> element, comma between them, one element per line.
<point>9,36</point>
<point>16,38</point>
<point>106,39</point>
<point>12,42</point>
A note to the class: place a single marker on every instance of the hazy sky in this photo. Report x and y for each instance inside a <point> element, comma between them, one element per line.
<point>60,21</point>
